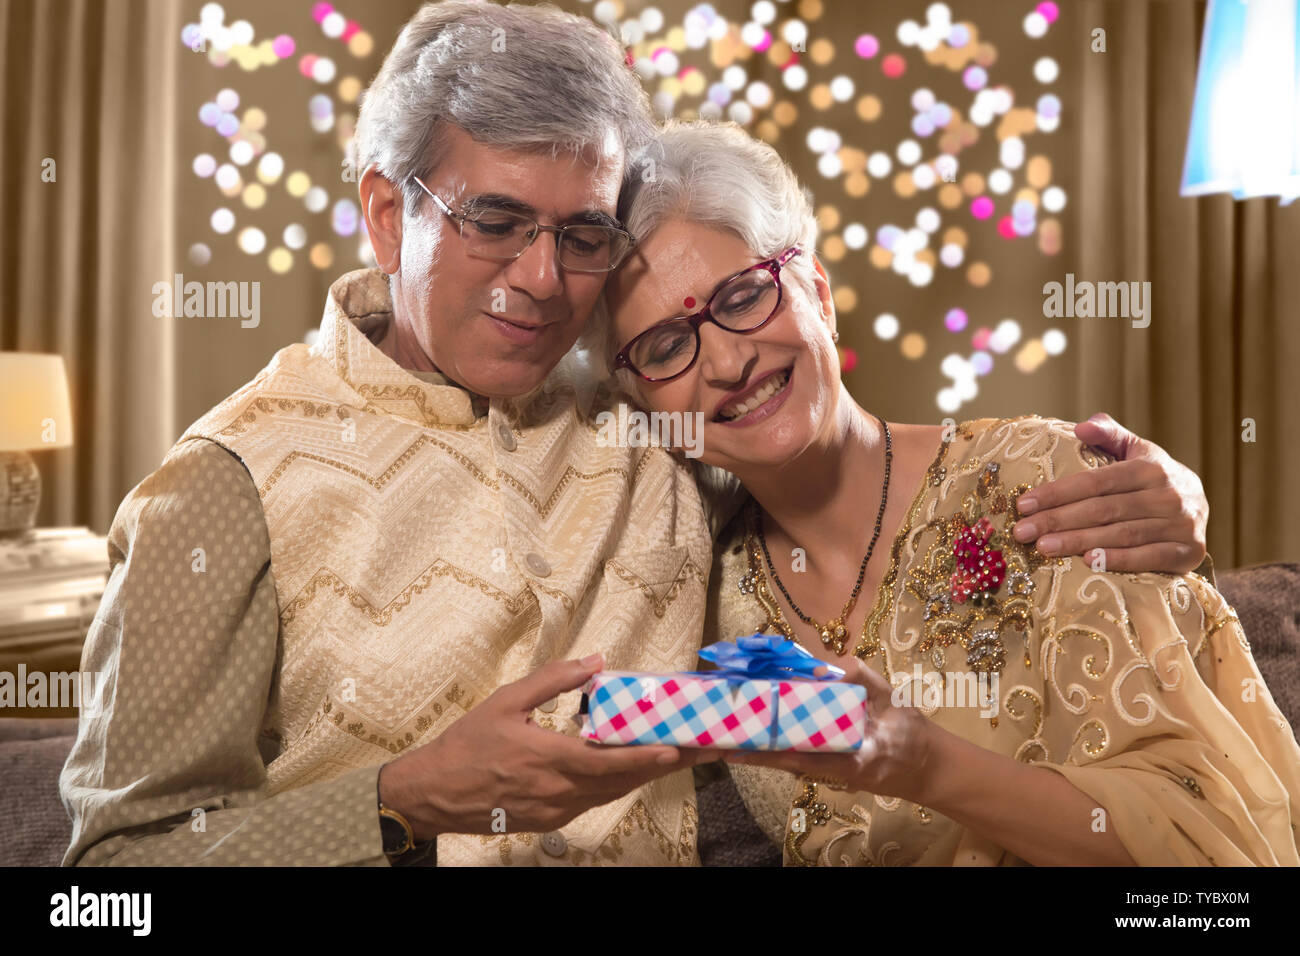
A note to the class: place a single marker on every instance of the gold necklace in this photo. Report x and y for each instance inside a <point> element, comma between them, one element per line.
<point>834,632</point>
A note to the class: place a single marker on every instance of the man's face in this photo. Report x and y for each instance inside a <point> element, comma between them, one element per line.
<point>499,327</point>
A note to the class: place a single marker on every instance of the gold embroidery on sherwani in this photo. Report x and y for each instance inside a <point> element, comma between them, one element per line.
<point>1138,688</point>
<point>384,477</point>
<point>307,408</point>
<point>570,474</point>
<point>659,603</point>
<point>383,615</point>
<point>417,553</point>
<point>415,395</point>
<point>543,509</point>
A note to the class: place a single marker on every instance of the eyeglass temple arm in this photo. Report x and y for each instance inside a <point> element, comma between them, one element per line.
<point>456,216</point>
<point>631,239</point>
<point>436,199</point>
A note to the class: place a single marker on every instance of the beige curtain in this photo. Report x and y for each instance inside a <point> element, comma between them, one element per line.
<point>93,85</point>
<point>90,84</point>
<point>1224,340</point>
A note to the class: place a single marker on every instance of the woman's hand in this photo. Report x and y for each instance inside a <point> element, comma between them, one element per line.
<point>1031,811</point>
<point>893,761</point>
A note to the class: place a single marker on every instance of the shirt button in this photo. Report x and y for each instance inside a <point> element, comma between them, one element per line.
<point>553,844</point>
<point>507,437</point>
<point>549,706</point>
<point>537,564</point>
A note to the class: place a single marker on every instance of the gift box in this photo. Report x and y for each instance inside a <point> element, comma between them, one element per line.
<point>762,697</point>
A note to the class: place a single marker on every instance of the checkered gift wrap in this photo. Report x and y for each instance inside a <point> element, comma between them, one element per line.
<point>692,710</point>
<point>820,715</point>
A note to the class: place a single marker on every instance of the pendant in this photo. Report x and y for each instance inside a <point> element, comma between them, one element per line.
<point>833,634</point>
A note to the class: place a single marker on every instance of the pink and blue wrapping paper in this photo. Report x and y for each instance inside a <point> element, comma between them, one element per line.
<point>729,709</point>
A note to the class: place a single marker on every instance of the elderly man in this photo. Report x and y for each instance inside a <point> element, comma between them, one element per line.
<point>348,615</point>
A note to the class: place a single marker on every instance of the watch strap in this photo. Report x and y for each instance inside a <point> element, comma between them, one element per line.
<point>398,836</point>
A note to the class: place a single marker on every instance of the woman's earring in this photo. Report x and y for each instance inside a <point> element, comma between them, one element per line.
<point>835,336</point>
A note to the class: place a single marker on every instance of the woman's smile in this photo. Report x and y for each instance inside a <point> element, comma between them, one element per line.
<point>756,403</point>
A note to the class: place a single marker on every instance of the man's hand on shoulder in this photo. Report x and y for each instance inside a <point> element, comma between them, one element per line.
<point>1147,511</point>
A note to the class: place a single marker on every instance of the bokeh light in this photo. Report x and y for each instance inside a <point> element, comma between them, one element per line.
<point>252,240</point>
<point>280,260</point>
<point>918,106</point>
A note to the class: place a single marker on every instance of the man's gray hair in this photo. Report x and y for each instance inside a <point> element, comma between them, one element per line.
<point>514,76</point>
<point>715,174</point>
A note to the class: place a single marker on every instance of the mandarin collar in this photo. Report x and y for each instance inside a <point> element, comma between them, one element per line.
<point>358,313</point>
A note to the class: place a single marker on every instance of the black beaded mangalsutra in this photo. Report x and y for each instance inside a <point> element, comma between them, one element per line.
<point>834,632</point>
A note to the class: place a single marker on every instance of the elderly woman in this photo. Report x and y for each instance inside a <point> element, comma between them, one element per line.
<point>1024,709</point>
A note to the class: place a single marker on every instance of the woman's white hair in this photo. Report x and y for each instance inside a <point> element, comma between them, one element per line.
<point>715,174</point>
<point>522,77</point>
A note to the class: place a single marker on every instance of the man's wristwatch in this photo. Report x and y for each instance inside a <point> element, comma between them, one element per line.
<point>399,839</point>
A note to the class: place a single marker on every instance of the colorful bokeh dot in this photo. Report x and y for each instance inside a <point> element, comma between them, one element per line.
<point>913,345</point>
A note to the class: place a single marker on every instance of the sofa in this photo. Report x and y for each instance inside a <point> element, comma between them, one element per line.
<point>35,829</point>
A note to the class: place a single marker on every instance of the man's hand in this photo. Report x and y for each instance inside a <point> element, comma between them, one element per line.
<point>1146,511</point>
<point>494,758</point>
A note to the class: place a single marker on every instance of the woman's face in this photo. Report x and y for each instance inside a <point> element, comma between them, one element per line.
<point>786,374</point>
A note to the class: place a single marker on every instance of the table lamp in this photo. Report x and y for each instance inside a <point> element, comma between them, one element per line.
<point>35,414</point>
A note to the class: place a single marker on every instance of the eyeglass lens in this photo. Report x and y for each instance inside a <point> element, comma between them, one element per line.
<point>744,303</point>
<point>504,235</point>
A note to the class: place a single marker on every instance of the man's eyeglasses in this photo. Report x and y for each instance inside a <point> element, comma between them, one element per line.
<point>744,303</point>
<point>503,234</point>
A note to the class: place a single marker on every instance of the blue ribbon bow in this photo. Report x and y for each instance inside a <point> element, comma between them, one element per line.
<point>764,657</point>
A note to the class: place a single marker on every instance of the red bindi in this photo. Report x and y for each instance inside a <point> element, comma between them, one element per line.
<point>689,302</point>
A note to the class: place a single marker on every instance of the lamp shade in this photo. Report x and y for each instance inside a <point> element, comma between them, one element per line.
<point>35,412</point>
<point>1245,131</point>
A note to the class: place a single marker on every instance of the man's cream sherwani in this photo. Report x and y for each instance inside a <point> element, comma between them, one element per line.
<point>425,555</point>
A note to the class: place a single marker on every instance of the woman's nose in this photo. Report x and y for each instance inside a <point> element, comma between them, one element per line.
<point>725,357</point>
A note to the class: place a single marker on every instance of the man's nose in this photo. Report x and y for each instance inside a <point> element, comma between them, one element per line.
<point>537,270</point>
<point>725,357</point>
